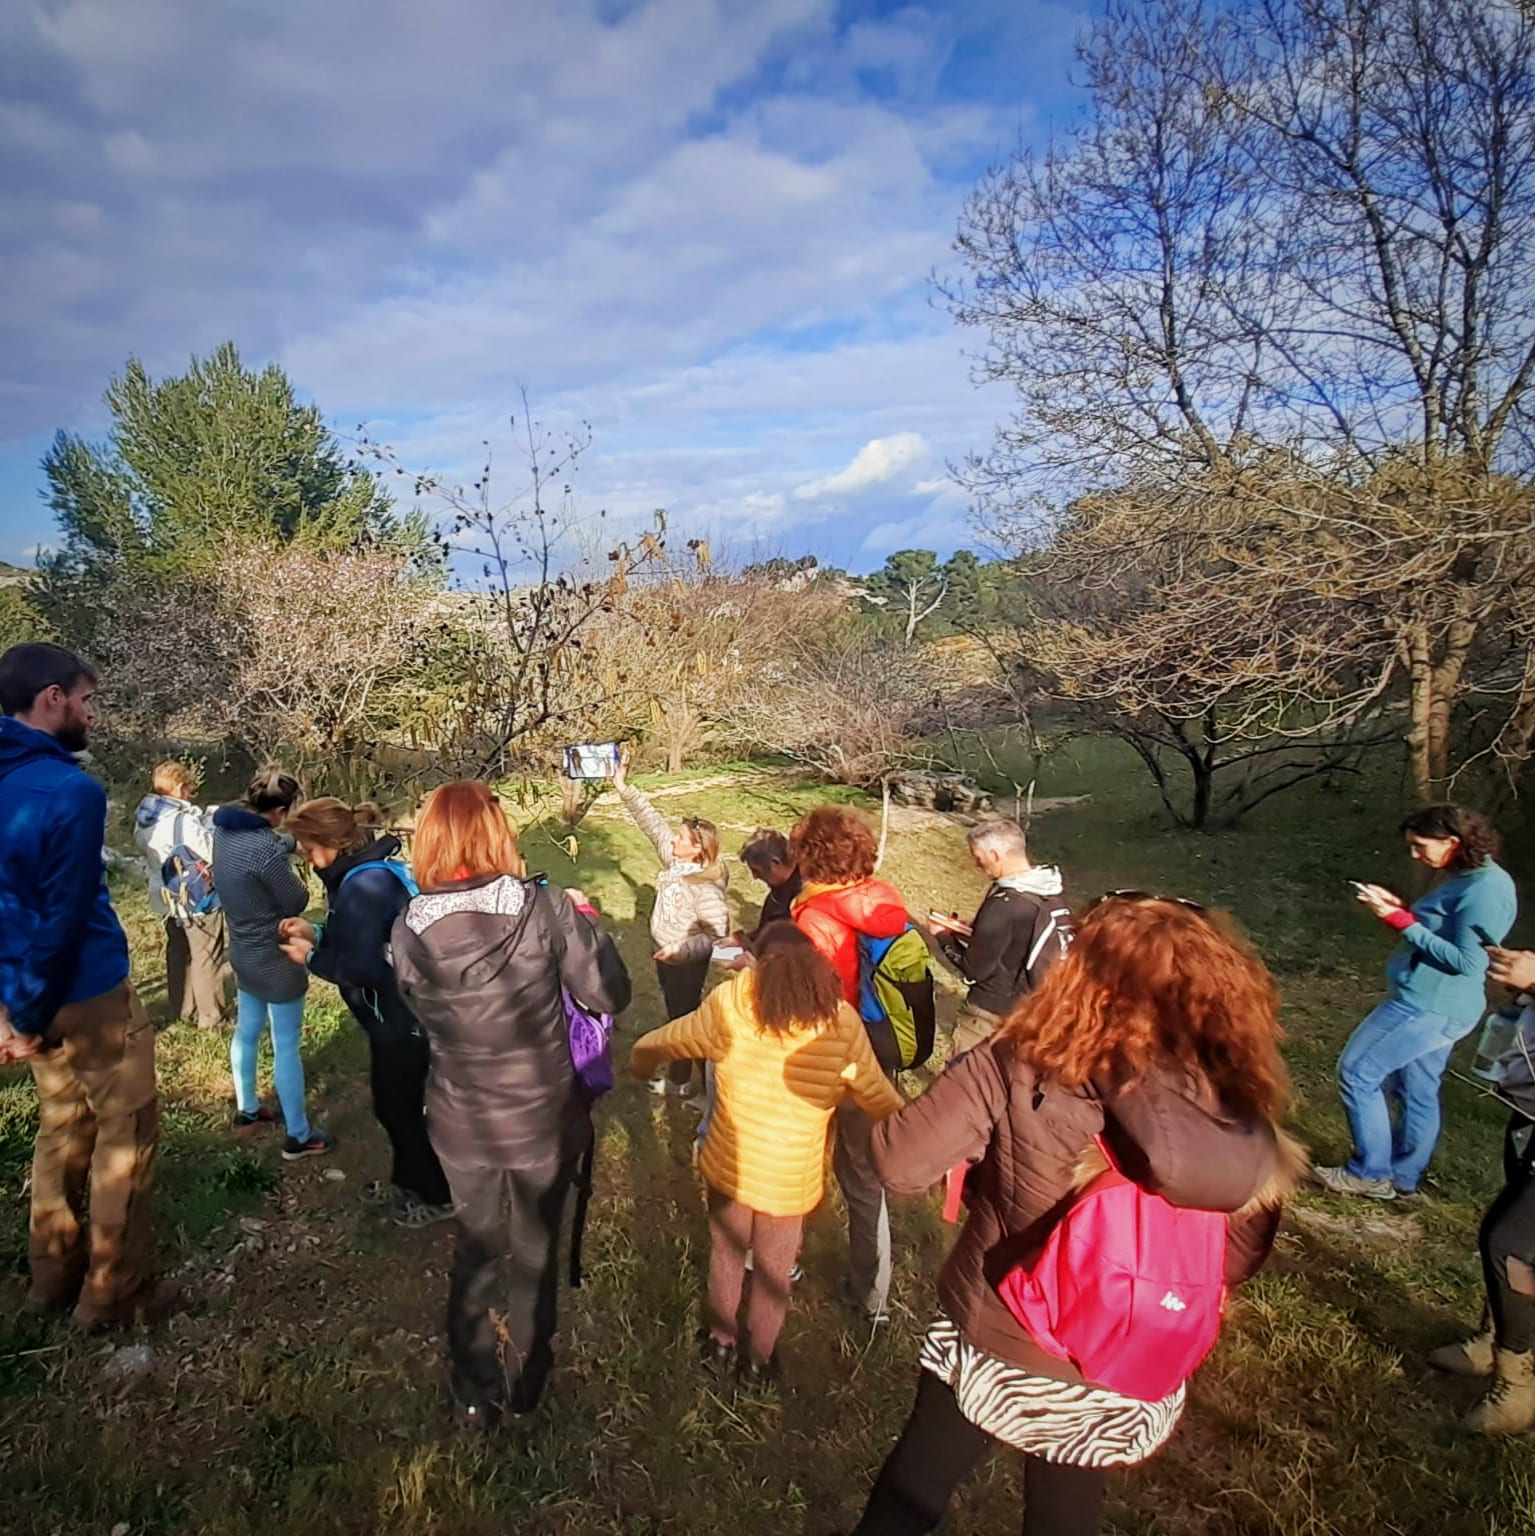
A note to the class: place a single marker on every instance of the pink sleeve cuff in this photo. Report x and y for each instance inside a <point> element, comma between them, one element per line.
<point>589,911</point>
<point>1402,919</point>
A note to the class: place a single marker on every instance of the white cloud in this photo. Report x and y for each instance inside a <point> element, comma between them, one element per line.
<point>876,463</point>
<point>705,227</point>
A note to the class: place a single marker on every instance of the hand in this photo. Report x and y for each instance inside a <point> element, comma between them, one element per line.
<point>578,897</point>
<point>298,928</point>
<point>1380,901</point>
<point>745,961</point>
<point>298,950</point>
<point>1512,968</point>
<point>15,1046</point>
<point>667,956</point>
<point>621,773</point>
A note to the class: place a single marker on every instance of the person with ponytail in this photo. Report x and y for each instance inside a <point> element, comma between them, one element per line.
<point>1438,981</point>
<point>366,889</point>
<point>258,886</point>
<point>786,1050</point>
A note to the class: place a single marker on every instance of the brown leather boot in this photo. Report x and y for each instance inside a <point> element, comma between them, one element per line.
<point>152,1303</point>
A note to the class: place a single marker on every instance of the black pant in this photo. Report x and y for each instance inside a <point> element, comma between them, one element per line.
<point>397,1072</point>
<point>682,990</point>
<point>1508,1232</point>
<point>505,1281</point>
<point>940,1447</point>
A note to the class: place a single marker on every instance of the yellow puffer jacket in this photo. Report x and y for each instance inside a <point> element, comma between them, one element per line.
<point>774,1094</point>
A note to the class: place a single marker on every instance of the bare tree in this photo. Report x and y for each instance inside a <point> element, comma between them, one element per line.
<point>1288,260</point>
<point>545,581</point>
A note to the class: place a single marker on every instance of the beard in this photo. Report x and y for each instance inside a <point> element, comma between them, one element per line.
<point>72,737</point>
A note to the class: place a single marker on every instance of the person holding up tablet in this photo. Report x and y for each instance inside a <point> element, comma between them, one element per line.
<point>690,915</point>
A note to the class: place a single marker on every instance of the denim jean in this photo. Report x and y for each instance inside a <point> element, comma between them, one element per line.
<point>1397,1055</point>
<point>287,1065</point>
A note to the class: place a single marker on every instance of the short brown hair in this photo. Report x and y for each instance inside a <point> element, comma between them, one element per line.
<point>332,823</point>
<point>834,846</point>
<point>174,779</point>
<point>763,849</point>
<point>793,986</point>
<point>461,833</point>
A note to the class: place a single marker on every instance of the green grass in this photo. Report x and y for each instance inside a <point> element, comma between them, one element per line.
<point>307,1392</point>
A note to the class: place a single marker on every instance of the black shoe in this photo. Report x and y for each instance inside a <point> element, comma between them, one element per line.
<point>475,1418</point>
<point>258,1119</point>
<point>315,1144</point>
<point>761,1377</point>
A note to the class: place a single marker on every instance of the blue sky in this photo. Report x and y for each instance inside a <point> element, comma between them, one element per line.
<point>703,226</point>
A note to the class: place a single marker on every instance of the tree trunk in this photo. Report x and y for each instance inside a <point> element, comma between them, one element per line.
<point>1204,790</point>
<point>676,752</point>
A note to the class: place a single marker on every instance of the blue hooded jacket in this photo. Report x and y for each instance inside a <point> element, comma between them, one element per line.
<point>60,940</point>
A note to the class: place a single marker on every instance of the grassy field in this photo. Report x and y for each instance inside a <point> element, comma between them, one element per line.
<point>304,1393</point>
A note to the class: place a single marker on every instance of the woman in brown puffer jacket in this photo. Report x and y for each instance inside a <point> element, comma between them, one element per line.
<point>1159,1033</point>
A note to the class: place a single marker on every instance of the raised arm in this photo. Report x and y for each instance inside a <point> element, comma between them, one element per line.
<point>951,1123</point>
<point>697,1036</point>
<point>648,819</point>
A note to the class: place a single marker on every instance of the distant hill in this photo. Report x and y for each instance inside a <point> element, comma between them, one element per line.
<point>13,575</point>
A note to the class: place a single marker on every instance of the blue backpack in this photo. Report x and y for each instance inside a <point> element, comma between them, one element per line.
<point>187,878</point>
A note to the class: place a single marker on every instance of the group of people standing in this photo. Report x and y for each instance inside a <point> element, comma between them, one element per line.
<point>1133,1046</point>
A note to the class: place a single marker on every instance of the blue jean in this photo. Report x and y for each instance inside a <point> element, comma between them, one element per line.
<point>1398,1054</point>
<point>287,1065</point>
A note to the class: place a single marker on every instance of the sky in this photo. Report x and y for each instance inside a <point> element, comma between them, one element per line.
<point>704,227</point>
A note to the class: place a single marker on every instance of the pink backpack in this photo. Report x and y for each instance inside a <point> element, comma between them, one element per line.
<point>1128,1288</point>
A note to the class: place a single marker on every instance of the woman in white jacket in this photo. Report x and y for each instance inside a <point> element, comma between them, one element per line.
<point>196,947</point>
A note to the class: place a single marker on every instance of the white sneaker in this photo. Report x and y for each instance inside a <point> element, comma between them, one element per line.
<point>660,1085</point>
<point>1341,1182</point>
<point>796,1274</point>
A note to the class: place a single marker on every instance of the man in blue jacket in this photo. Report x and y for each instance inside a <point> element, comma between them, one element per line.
<point>66,1006</point>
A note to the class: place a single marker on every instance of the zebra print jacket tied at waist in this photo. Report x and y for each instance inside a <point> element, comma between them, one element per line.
<point>1027,1139</point>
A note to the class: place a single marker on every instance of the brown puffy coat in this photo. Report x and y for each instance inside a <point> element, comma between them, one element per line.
<point>775,1091</point>
<point>1028,1141</point>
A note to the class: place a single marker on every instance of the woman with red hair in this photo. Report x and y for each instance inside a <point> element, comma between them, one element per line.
<point>1158,1033</point>
<point>484,956</point>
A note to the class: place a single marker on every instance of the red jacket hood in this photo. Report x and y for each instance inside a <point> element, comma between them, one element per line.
<point>870,907</point>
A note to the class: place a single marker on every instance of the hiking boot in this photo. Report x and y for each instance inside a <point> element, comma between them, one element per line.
<point>414,1214</point>
<point>39,1305</point>
<point>152,1303</point>
<point>254,1120</point>
<point>1340,1181</point>
<point>381,1192</point>
<point>1509,1409</point>
<point>1470,1357</point>
<point>315,1144</point>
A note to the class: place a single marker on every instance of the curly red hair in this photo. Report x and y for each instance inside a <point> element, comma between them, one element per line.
<point>833,846</point>
<point>1151,983</point>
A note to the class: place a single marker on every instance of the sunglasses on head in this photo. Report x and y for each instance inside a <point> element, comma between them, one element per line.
<point>692,823</point>
<point>1177,901</point>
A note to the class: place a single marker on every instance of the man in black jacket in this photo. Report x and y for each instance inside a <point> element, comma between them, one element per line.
<point>1022,928</point>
